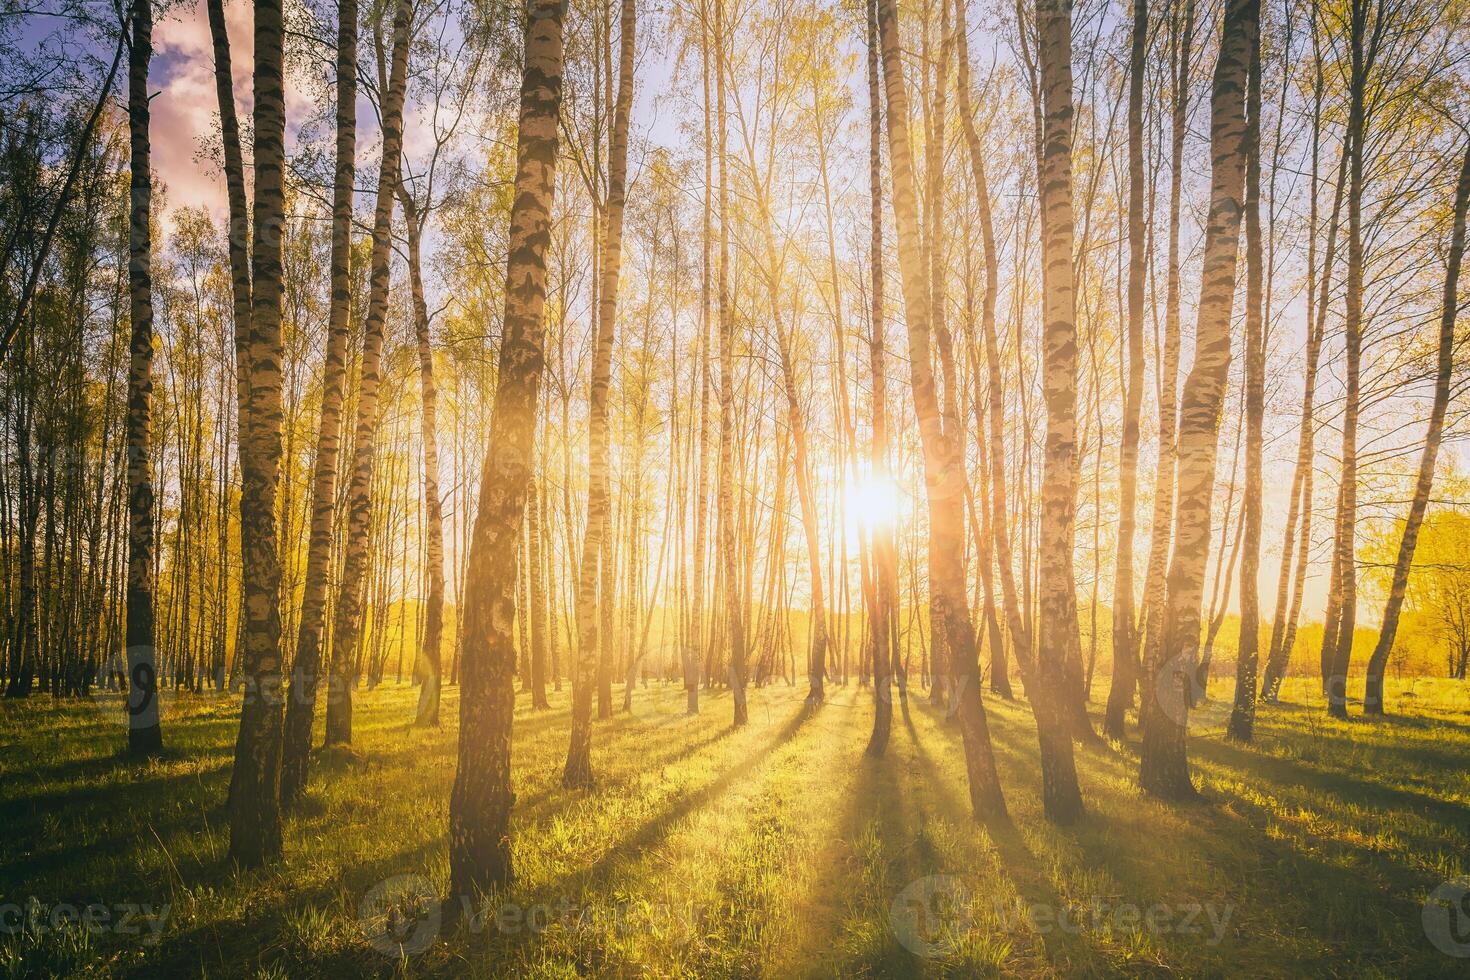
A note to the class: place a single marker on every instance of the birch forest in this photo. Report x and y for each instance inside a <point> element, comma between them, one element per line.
<point>734,488</point>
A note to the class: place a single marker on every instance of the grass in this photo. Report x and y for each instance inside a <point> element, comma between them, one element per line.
<point>774,850</point>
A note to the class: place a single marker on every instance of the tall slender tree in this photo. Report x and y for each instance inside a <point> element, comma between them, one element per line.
<point>1444,369</point>
<point>1120,696</point>
<point>1296,536</point>
<point>694,656</point>
<point>591,641</point>
<point>431,667</point>
<point>1163,759</point>
<point>1057,635</point>
<point>306,667</point>
<point>480,803</point>
<point>773,273</point>
<point>1366,23</point>
<point>238,240</point>
<point>255,816</point>
<point>347,614</point>
<point>989,422</point>
<point>942,476</point>
<point>145,734</point>
<point>1243,712</point>
<point>1125,645</point>
<point>734,610</point>
<point>933,99</point>
<point>884,613</point>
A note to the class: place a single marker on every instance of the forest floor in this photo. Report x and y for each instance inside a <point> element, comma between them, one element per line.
<point>775,850</point>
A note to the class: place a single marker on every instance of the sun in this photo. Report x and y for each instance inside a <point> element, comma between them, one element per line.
<point>872,501</point>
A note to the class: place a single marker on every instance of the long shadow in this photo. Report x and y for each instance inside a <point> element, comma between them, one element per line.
<point>1330,900</point>
<point>243,940</point>
<point>1216,844</point>
<point>490,945</point>
<point>658,827</point>
<point>1294,719</point>
<point>1022,868</point>
<point>26,792</point>
<point>1091,839</point>
<point>534,802</point>
<point>1291,893</point>
<point>174,796</point>
<point>1432,714</point>
<point>876,801</point>
<point>1292,776</point>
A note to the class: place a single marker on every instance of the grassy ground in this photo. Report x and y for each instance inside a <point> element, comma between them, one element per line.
<point>775,850</point>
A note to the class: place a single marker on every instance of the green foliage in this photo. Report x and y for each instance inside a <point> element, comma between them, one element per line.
<point>1434,635</point>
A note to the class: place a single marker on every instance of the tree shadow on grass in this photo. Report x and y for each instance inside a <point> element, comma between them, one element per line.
<point>530,807</point>
<point>1295,905</point>
<point>588,889</point>
<point>1293,899</point>
<point>876,815</point>
<point>1108,856</point>
<point>1288,718</point>
<point>28,794</point>
<point>269,934</point>
<point>646,836</point>
<point>1289,777</point>
<point>68,856</point>
<point>1021,867</point>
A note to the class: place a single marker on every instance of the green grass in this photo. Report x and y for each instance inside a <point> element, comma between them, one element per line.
<point>775,850</point>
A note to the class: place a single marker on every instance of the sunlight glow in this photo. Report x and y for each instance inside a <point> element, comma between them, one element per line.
<point>872,501</point>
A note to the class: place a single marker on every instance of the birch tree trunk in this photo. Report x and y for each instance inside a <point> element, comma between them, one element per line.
<point>941,474</point>
<point>1373,694</point>
<point>145,735</point>
<point>481,800</point>
<point>578,771</point>
<point>1338,644</point>
<point>306,667</point>
<point>884,614</point>
<point>1120,697</point>
<point>255,819</point>
<point>1125,634</point>
<point>694,654</point>
<point>1243,712</point>
<point>1057,632</point>
<point>1163,762</point>
<point>734,611</point>
<point>347,614</point>
<point>239,230</point>
<point>428,707</point>
<point>995,387</point>
<point>932,112</point>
